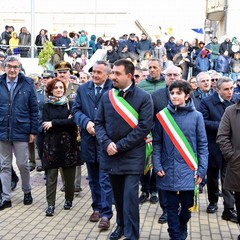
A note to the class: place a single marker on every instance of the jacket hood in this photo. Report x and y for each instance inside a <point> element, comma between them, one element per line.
<point>13,34</point>
<point>93,37</point>
<point>189,107</point>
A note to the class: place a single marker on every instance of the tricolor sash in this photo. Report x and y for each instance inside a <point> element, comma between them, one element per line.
<point>130,115</point>
<point>178,138</point>
<point>181,143</point>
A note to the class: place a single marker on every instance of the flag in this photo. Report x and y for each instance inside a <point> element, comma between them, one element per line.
<point>198,30</point>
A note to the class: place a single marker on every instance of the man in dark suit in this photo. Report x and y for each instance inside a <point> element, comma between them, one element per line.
<point>160,100</point>
<point>123,146</point>
<point>84,111</point>
<point>212,108</point>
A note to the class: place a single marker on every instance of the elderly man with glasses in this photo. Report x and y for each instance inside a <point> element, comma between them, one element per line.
<point>19,126</point>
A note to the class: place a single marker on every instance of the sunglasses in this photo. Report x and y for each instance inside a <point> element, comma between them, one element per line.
<point>214,79</point>
<point>136,76</point>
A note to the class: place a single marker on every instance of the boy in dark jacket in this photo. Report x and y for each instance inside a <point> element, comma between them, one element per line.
<point>179,126</point>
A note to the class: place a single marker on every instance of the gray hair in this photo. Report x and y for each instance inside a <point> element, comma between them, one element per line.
<point>222,80</point>
<point>106,64</point>
<point>200,74</point>
<point>11,59</point>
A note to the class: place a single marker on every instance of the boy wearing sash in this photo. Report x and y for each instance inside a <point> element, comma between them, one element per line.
<point>180,156</point>
<point>123,120</point>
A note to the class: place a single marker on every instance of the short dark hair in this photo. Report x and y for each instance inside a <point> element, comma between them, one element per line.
<point>51,84</point>
<point>128,65</point>
<point>182,85</point>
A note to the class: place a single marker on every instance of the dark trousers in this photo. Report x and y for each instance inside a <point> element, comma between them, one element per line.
<point>237,202</point>
<point>162,197</point>
<point>176,221</point>
<point>148,182</point>
<point>125,191</point>
<point>14,179</point>
<point>51,186</point>
<point>101,190</point>
<point>213,186</point>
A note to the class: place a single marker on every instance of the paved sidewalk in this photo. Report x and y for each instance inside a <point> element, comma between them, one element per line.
<point>30,222</point>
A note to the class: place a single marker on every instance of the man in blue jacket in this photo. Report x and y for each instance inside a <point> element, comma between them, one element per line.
<point>123,146</point>
<point>18,127</point>
<point>84,110</point>
<point>213,108</point>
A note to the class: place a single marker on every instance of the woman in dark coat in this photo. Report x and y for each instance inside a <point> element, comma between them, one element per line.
<point>60,144</point>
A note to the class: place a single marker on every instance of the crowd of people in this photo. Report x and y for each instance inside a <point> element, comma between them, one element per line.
<point>176,110</point>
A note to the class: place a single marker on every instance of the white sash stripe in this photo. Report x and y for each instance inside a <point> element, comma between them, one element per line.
<point>179,140</point>
<point>125,110</point>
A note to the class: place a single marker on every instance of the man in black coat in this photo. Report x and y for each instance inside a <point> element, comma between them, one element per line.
<point>212,108</point>
<point>160,100</point>
<point>123,144</point>
<point>84,110</point>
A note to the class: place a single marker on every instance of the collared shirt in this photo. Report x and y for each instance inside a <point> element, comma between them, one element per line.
<point>125,89</point>
<point>9,83</point>
<point>101,86</point>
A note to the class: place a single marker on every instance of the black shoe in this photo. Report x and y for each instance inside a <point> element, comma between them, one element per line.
<point>154,198</point>
<point>27,198</point>
<point>14,183</point>
<point>39,169</point>
<point>50,211</point>
<point>212,208</point>
<point>117,233</point>
<point>163,218</point>
<point>63,188</point>
<point>184,232</point>
<point>230,215</point>
<point>5,204</point>
<point>143,198</point>
<point>67,205</point>
<point>31,168</point>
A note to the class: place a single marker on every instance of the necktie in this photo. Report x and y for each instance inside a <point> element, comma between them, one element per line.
<point>121,93</point>
<point>98,92</point>
<point>11,88</point>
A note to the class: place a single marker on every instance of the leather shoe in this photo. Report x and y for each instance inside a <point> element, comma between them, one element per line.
<point>67,205</point>
<point>143,198</point>
<point>163,218</point>
<point>5,204</point>
<point>230,215</point>
<point>31,168</point>
<point>154,198</point>
<point>14,183</point>
<point>212,208</point>
<point>50,211</point>
<point>39,169</point>
<point>117,233</point>
<point>27,199</point>
<point>104,224</point>
<point>95,216</point>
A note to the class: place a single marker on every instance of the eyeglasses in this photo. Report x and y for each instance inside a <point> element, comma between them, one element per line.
<point>214,79</point>
<point>194,82</point>
<point>12,67</point>
<point>45,77</point>
<point>172,74</point>
<point>136,76</point>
